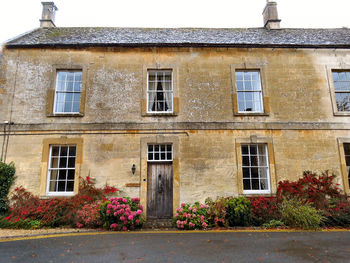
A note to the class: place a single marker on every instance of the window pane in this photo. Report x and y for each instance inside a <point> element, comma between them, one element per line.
<point>70,76</point>
<point>55,151</point>
<point>343,101</point>
<point>245,149</point>
<point>53,185</point>
<point>252,149</point>
<point>264,184</point>
<point>69,86</point>
<point>72,151</point>
<point>61,186</point>
<point>150,148</point>
<point>245,161</point>
<point>150,156</point>
<point>156,156</point>
<point>169,156</point>
<point>61,76</point>
<point>64,151</point>
<point>162,156</point>
<point>54,162</point>
<point>262,161</point>
<point>54,175</point>
<point>70,186</point>
<point>239,75</point>
<point>71,162</point>
<point>162,148</point>
<point>263,173</point>
<point>255,184</point>
<point>76,106</point>
<point>62,175</point>
<point>254,172</point>
<point>63,162</point>
<point>71,174</point>
<point>239,85</point>
<point>168,148</point>
<point>246,173</point>
<point>156,148</point>
<point>246,184</point>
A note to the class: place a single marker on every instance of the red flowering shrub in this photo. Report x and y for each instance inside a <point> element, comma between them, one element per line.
<point>122,213</point>
<point>88,216</point>
<point>311,188</point>
<point>338,214</point>
<point>216,213</point>
<point>264,209</point>
<point>58,210</point>
<point>191,216</point>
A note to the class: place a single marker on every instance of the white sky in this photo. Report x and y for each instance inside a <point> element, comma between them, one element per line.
<point>19,16</point>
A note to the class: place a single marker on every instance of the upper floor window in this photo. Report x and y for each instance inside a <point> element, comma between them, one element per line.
<point>342,90</point>
<point>249,92</point>
<point>159,91</point>
<point>255,169</point>
<point>68,92</point>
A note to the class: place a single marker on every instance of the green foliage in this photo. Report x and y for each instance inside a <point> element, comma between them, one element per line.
<point>20,224</point>
<point>296,214</point>
<point>238,211</point>
<point>274,224</point>
<point>7,178</point>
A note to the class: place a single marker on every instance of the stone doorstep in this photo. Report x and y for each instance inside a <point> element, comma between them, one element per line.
<point>158,223</point>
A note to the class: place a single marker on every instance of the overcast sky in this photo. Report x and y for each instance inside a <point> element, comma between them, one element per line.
<point>19,16</point>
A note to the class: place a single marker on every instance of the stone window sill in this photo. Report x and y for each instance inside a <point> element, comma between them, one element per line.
<point>251,114</point>
<point>65,115</point>
<point>158,114</point>
<point>340,113</point>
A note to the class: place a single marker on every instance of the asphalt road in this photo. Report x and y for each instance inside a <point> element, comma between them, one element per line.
<point>183,247</point>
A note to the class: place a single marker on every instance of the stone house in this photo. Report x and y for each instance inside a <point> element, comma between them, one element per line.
<point>175,115</point>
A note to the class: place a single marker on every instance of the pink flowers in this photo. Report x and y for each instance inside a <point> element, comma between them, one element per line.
<point>191,216</point>
<point>123,213</point>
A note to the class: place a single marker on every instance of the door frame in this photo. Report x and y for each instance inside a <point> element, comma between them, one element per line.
<point>159,139</point>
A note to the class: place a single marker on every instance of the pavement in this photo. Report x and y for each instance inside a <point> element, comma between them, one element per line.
<point>180,246</point>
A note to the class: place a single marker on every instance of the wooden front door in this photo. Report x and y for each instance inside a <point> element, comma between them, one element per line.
<point>159,190</point>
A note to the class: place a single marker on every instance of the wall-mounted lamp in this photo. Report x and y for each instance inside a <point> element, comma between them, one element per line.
<point>133,169</point>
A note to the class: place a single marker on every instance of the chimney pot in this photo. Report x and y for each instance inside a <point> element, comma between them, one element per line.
<point>270,16</point>
<point>48,14</point>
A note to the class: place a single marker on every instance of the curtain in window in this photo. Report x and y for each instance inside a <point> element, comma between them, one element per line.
<point>152,95</point>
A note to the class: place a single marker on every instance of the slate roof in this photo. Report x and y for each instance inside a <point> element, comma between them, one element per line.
<point>227,37</point>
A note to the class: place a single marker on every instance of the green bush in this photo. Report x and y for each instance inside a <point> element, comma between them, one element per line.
<point>216,213</point>
<point>7,178</point>
<point>238,211</point>
<point>296,214</point>
<point>20,224</point>
<point>274,224</point>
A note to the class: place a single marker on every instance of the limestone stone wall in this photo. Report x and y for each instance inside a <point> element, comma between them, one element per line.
<point>207,159</point>
<point>296,83</point>
<point>299,123</point>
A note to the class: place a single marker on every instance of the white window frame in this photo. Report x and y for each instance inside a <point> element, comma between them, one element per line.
<point>73,92</point>
<point>49,169</point>
<point>347,164</point>
<point>267,191</point>
<point>340,91</point>
<point>172,91</point>
<point>166,151</point>
<point>252,91</point>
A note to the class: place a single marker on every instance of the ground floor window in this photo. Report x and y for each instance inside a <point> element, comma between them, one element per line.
<point>255,168</point>
<point>160,152</point>
<point>61,169</point>
<point>347,158</point>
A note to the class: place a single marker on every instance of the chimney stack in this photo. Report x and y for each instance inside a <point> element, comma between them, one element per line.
<point>48,15</point>
<point>270,15</point>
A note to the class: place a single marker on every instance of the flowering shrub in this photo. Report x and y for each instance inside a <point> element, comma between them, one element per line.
<point>338,214</point>
<point>216,212</point>
<point>88,216</point>
<point>263,210</point>
<point>122,213</point>
<point>191,216</point>
<point>58,211</point>
<point>311,188</point>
